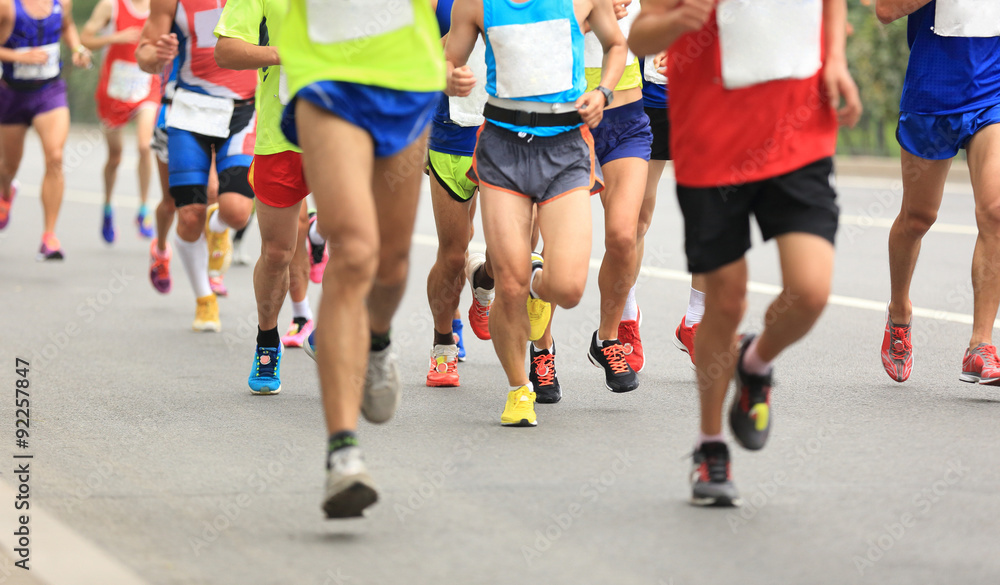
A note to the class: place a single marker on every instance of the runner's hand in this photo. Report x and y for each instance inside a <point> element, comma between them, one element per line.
<point>81,58</point>
<point>591,107</point>
<point>460,81</point>
<point>660,63</point>
<point>691,15</point>
<point>621,8</point>
<point>33,57</point>
<point>839,84</point>
<point>127,36</point>
<point>166,49</point>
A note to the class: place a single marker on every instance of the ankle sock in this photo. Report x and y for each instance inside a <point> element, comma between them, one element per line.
<point>696,307</point>
<point>215,223</point>
<point>338,441</point>
<point>302,309</point>
<point>269,338</point>
<point>631,310</point>
<point>703,438</point>
<point>752,363</point>
<point>444,338</point>
<point>380,341</point>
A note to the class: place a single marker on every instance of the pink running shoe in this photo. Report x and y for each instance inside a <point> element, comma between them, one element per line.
<point>318,255</point>
<point>218,287</point>
<point>297,334</point>
<point>159,268</point>
<point>5,205</point>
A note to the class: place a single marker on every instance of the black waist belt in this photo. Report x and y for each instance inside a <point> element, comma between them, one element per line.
<point>522,118</point>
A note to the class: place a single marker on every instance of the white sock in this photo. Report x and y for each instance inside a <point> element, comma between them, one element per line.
<point>703,438</point>
<point>194,257</point>
<point>302,309</point>
<point>515,388</point>
<point>631,312</point>
<point>314,236</point>
<point>216,224</point>
<point>531,283</point>
<point>752,364</point>
<point>696,307</point>
<point>538,349</point>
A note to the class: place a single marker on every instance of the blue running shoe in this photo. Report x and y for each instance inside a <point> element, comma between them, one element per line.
<point>265,375</point>
<point>456,328</point>
<point>310,345</point>
<point>145,224</point>
<point>108,227</point>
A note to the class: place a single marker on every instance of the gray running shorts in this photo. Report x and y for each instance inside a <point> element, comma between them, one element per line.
<point>541,168</point>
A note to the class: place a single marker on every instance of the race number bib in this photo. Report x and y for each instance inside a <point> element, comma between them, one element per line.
<point>765,40</point>
<point>532,59</point>
<point>127,83</point>
<point>468,111</point>
<point>37,72</point>
<point>650,74</point>
<point>337,21</point>
<point>967,18</point>
<point>202,114</point>
<point>593,52</point>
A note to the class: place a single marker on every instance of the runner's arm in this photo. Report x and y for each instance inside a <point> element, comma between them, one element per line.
<point>90,33</point>
<point>157,45</point>
<point>662,22</point>
<point>836,77</point>
<point>604,25</point>
<point>890,10</point>
<point>7,16</point>
<point>466,22</point>
<point>232,53</point>
<point>81,55</point>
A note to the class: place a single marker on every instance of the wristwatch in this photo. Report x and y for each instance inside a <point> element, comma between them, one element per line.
<point>609,96</point>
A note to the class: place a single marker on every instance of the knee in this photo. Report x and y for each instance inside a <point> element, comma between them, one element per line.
<point>54,162</point>
<point>452,261</point>
<point>728,302</point>
<point>511,291</point>
<point>144,150</point>
<point>620,245</point>
<point>916,222</point>
<point>809,301</point>
<point>353,262</point>
<point>988,217</point>
<point>276,255</point>
<point>568,294</point>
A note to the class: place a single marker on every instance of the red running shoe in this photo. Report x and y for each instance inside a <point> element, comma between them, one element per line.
<point>981,365</point>
<point>482,299</point>
<point>443,371</point>
<point>684,337</point>
<point>897,350</point>
<point>628,334</point>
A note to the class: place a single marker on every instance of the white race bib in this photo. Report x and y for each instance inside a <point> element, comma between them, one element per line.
<point>967,18</point>
<point>650,74</point>
<point>593,52</point>
<point>47,70</point>
<point>468,111</point>
<point>337,21</point>
<point>532,59</point>
<point>202,114</point>
<point>765,40</point>
<point>127,83</point>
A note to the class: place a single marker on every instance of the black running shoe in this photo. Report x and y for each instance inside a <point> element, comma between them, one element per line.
<point>711,482</point>
<point>618,375</point>
<point>542,373</point>
<point>750,413</point>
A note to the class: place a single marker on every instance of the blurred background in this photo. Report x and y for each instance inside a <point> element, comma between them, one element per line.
<point>877,55</point>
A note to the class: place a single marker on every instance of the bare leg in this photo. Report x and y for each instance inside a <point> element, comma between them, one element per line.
<point>923,187</point>
<point>12,138</point>
<point>145,120</point>
<point>53,129</point>
<point>622,199</point>
<point>984,152</point>
<point>298,270</point>
<point>278,233</point>
<point>166,208</point>
<point>447,277</point>
<point>113,136</point>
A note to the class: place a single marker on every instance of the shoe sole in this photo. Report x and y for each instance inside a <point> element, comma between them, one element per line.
<point>679,345</point>
<point>267,392</point>
<point>974,379</point>
<point>711,502</point>
<point>542,400</point>
<point>522,423</point>
<point>207,328</point>
<point>351,501</point>
<point>606,385</point>
<point>442,384</point>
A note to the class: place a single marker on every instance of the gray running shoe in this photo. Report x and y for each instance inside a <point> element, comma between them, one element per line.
<point>349,488</point>
<point>711,481</point>
<point>383,387</point>
<point>750,413</point>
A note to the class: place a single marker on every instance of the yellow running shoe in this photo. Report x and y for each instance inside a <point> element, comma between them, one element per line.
<point>520,409</point>
<point>220,249</point>
<point>539,311</point>
<point>206,317</point>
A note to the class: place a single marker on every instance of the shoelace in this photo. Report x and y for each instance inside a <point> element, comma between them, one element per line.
<point>481,309</point>
<point>545,362</point>
<point>718,468</point>
<point>615,354</point>
<point>901,344</point>
<point>160,268</point>
<point>268,368</point>
<point>989,356</point>
<point>451,365</point>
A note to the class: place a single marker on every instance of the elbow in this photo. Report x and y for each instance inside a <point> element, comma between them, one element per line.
<point>222,59</point>
<point>884,13</point>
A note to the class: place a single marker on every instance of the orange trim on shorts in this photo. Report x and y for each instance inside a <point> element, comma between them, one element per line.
<point>495,188</point>
<point>589,139</point>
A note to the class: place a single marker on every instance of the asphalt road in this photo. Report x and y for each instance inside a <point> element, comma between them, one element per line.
<point>148,444</point>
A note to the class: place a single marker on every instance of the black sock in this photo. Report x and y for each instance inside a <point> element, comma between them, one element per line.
<point>380,341</point>
<point>300,321</point>
<point>444,338</point>
<point>482,280</point>
<point>339,441</point>
<point>269,338</point>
